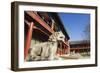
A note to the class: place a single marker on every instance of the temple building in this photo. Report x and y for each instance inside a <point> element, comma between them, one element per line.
<point>80,46</point>
<point>39,26</point>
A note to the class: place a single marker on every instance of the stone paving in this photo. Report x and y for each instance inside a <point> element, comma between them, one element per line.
<point>73,56</point>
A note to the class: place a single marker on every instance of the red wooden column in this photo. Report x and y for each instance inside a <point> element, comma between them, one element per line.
<point>28,40</point>
<point>60,48</point>
<point>65,49</point>
<point>52,25</point>
<point>68,48</point>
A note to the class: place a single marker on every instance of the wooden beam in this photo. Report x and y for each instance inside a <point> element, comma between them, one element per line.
<point>80,48</point>
<point>39,20</point>
<point>41,31</point>
<point>28,23</point>
<point>28,40</point>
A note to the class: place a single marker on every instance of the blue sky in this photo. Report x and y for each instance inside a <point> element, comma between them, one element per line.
<point>75,24</point>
